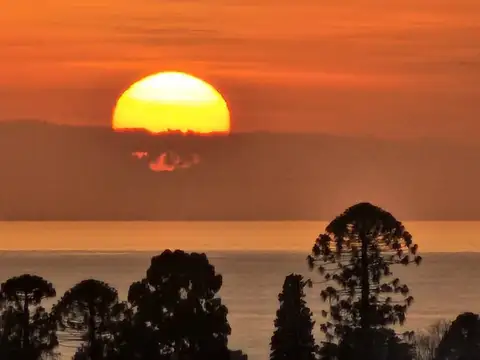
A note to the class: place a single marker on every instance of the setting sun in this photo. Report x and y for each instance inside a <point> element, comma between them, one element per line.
<point>172,101</point>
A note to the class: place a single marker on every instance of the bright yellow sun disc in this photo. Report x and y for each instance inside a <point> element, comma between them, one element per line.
<point>172,101</point>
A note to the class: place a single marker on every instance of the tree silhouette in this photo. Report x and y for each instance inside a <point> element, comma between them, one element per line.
<point>28,331</point>
<point>462,339</point>
<point>355,254</point>
<point>238,355</point>
<point>8,325</point>
<point>134,340</point>
<point>386,345</point>
<point>293,339</point>
<point>177,306</point>
<point>88,311</point>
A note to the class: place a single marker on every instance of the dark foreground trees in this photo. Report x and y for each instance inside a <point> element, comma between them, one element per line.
<point>26,329</point>
<point>293,339</point>
<point>355,255</point>
<point>173,313</point>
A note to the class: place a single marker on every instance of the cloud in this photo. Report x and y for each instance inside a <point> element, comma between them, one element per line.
<point>140,154</point>
<point>168,161</point>
<point>161,164</point>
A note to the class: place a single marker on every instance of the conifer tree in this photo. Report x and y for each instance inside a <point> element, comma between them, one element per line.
<point>293,339</point>
<point>355,256</point>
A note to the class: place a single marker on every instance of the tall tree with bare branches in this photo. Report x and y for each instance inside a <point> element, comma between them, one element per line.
<point>426,342</point>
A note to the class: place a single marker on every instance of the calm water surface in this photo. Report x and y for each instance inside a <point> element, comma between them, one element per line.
<point>443,286</point>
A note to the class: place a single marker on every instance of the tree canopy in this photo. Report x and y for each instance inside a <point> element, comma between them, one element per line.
<point>177,302</point>
<point>88,310</point>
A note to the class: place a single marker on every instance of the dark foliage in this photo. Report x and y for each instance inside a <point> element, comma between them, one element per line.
<point>386,345</point>
<point>462,339</point>
<point>177,309</point>
<point>26,329</point>
<point>238,355</point>
<point>174,313</point>
<point>88,312</point>
<point>355,255</point>
<point>293,339</point>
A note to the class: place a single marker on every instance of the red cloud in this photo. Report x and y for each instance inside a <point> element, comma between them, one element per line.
<point>139,154</point>
<point>162,163</point>
<point>168,161</point>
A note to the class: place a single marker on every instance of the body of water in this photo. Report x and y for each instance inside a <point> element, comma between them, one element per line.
<point>445,285</point>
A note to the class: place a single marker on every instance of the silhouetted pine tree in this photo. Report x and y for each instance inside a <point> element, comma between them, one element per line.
<point>355,254</point>
<point>293,339</point>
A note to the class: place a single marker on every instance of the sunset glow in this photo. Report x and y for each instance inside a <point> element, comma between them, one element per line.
<point>172,101</point>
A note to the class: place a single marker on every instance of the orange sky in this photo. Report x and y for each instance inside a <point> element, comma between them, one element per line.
<point>403,67</point>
